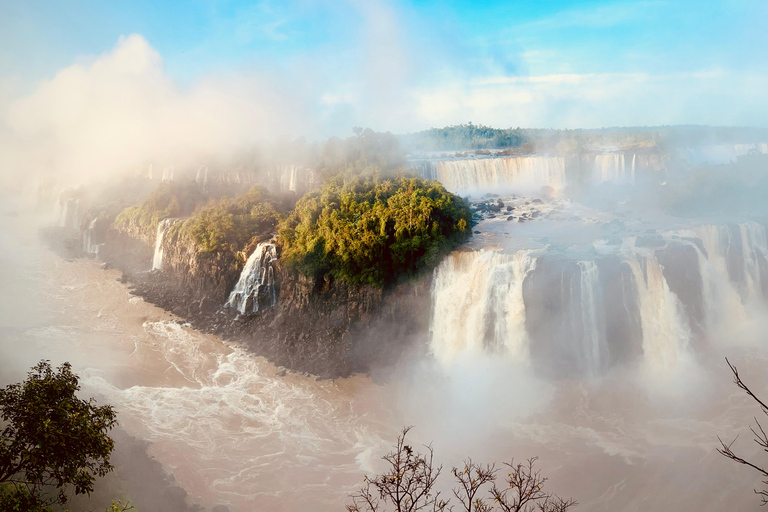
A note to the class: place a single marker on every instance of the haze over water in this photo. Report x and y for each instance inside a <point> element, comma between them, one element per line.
<point>583,323</point>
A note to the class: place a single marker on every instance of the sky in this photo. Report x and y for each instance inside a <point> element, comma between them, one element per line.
<point>209,73</point>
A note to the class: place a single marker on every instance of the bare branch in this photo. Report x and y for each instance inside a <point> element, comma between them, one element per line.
<point>471,478</point>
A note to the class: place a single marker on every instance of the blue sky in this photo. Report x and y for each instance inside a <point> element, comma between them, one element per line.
<point>405,66</point>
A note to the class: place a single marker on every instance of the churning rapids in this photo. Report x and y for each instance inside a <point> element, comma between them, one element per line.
<point>560,331</point>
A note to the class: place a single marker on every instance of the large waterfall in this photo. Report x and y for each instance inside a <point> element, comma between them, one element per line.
<point>255,290</point>
<point>478,304</point>
<point>519,172</point>
<point>666,332</point>
<point>162,227</point>
<point>651,297</point>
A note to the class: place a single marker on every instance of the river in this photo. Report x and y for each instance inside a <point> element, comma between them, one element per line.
<point>234,429</point>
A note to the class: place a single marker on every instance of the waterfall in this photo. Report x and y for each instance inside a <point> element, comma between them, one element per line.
<point>593,348</point>
<point>168,173</point>
<point>70,214</point>
<point>527,172</point>
<point>255,290</point>
<point>739,257</point>
<point>666,331</point>
<point>478,304</point>
<point>162,227</point>
<point>88,244</point>
<point>612,168</point>
<point>201,178</point>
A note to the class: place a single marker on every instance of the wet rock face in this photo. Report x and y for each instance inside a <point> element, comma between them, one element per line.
<point>582,317</point>
<point>623,325</point>
<point>547,294</point>
<point>321,326</point>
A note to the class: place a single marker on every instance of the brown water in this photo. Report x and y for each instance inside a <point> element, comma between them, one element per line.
<point>234,432</point>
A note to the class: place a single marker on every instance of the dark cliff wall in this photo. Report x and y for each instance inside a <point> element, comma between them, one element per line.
<point>325,327</point>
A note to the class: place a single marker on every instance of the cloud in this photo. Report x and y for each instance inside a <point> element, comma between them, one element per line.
<point>122,109</point>
<point>710,96</point>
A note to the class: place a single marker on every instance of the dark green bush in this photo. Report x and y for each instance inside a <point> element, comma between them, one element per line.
<point>229,224</point>
<point>370,231</point>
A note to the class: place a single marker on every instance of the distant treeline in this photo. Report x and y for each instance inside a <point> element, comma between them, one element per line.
<point>464,136</point>
<point>469,137</point>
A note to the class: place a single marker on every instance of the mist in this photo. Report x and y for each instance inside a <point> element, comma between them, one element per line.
<point>159,174</point>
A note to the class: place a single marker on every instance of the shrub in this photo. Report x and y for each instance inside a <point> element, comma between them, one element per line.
<point>366,230</point>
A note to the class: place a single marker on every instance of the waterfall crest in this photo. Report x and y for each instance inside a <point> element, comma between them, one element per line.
<point>612,167</point>
<point>255,290</point>
<point>530,172</point>
<point>478,304</point>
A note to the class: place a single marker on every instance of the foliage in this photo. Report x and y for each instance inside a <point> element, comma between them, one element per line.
<point>464,136</point>
<point>409,484</point>
<point>366,230</point>
<point>170,199</point>
<point>229,224</point>
<point>50,437</point>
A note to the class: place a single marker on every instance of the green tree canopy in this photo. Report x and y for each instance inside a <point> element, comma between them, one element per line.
<point>50,437</point>
<point>370,231</point>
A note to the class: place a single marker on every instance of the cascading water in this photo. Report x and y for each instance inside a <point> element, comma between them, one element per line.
<point>666,330</point>
<point>255,290</point>
<point>70,214</point>
<point>478,304</point>
<point>612,168</point>
<point>594,350</point>
<point>162,227</point>
<point>526,172</point>
<point>89,246</point>
<point>738,254</point>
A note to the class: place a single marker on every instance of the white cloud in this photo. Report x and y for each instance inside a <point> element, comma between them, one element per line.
<point>121,110</point>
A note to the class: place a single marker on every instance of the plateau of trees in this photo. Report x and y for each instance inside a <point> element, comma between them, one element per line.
<point>229,224</point>
<point>368,230</point>
<point>409,484</point>
<point>51,442</point>
<point>464,136</point>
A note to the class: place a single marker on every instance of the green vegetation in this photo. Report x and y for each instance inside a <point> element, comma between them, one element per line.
<point>51,440</point>
<point>464,136</point>
<point>366,230</point>
<point>172,199</point>
<point>229,224</point>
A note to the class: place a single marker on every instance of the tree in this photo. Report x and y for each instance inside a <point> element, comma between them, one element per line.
<point>409,485</point>
<point>761,438</point>
<point>50,437</point>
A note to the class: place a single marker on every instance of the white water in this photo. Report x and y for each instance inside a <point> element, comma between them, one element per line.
<point>666,331</point>
<point>613,168</point>
<point>88,245</point>
<point>233,431</point>
<point>519,172</point>
<point>157,259</point>
<point>478,304</point>
<point>594,347</point>
<point>257,280</point>
<point>70,214</point>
